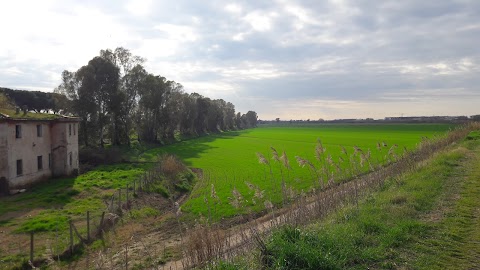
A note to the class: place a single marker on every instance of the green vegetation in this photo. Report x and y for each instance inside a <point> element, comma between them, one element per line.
<point>144,212</point>
<point>453,243</point>
<point>74,195</point>
<point>29,115</point>
<point>229,163</point>
<point>33,101</point>
<point>236,183</point>
<point>427,219</point>
<point>114,93</point>
<point>47,208</point>
<point>474,135</point>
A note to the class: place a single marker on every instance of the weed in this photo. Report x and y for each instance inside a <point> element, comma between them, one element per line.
<point>144,213</point>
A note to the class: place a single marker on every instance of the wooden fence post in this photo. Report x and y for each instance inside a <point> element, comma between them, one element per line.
<point>127,193</point>
<point>71,236</point>
<point>126,257</point>
<point>88,226</point>
<point>119,199</point>
<point>112,206</point>
<point>100,227</point>
<point>31,247</point>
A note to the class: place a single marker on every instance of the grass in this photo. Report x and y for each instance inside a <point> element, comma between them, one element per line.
<point>29,115</point>
<point>74,195</point>
<point>46,208</point>
<point>144,213</point>
<point>223,158</point>
<point>229,161</point>
<point>396,227</point>
<point>453,244</point>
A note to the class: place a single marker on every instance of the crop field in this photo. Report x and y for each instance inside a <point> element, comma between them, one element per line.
<point>236,182</point>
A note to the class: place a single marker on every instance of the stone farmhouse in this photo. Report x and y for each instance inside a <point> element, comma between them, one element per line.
<point>35,148</point>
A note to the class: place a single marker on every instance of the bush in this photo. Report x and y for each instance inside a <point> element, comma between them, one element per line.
<point>171,166</point>
<point>474,135</point>
<point>99,156</point>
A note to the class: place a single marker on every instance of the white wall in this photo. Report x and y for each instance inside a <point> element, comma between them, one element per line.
<point>28,148</point>
<point>64,142</point>
<point>3,150</point>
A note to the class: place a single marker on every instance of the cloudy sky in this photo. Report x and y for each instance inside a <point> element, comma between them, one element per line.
<point>289,59</point>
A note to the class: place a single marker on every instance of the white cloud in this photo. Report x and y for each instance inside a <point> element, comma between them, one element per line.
<point>239,36</point>
<point>234,8</point>
<point>180,33</point>
<point>139,7</point>
<point>13,71</point>
<point>260,21</point>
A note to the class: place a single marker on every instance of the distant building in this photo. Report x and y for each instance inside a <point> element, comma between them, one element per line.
<point>33,149</point>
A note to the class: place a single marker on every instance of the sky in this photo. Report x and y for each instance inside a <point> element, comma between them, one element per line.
<point>305,59</point>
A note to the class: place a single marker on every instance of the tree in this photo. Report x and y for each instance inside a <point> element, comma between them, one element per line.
<point>133,84</point>
<point>251,119</point>
<point>129,68</point>
<point>229,116</point>
<point>151,104</point>
<point>116,96</point>
<point>188,114</point>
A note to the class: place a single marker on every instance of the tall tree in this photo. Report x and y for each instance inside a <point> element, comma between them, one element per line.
<point>130,68</point>
<point>116,96</point>
<point>100,79</point>
<point>251,119</point>
<point>151,104</point>
<point>133,83</point>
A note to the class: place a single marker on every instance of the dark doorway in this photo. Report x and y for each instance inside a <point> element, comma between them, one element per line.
<point>3,186</point>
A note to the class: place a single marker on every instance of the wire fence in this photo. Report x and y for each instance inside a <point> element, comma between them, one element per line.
<point>67,238</point>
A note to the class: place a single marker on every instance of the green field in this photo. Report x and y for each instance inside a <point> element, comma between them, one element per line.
<point>230,163</point>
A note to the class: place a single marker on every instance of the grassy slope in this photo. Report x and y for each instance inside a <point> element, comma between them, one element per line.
<point>47,208</point>
<point>229,159</point>
<point>455,241</point>
<point>428,219</point>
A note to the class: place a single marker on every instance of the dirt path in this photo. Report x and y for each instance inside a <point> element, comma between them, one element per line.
<point>455,242</point>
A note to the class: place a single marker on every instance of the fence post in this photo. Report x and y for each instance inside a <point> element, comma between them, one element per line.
<point>133,188</point>
<point>31,247</point>
<point>127,193</point>
<point>119,200</point>
<point>126,257</point>
<point>88,226</point>
<point>71,236</point>
<point>111,207</point>
<point>100,227</point>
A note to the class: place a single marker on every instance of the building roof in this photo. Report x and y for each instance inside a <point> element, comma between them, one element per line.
<point>8,114</point>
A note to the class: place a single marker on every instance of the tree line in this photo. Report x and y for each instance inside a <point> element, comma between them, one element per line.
<point>37,101</point>
<point>118,99</point>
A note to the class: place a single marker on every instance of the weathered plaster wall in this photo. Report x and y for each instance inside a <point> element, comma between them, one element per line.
<point>72,147</point>
<point>64,144</point>
<point>59,148</point>
<point>3,151</point>
<point>28,148</point>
